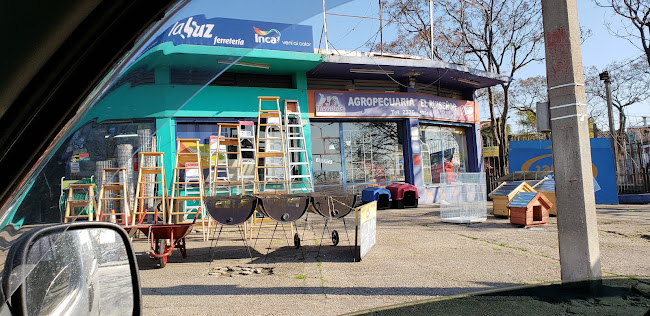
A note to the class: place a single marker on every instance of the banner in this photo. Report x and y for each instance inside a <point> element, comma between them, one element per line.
<point>537,155</point>
<point>361,104</point>
<point>199,30</point>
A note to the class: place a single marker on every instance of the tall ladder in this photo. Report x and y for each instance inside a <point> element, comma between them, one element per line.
<point>300,178</point>
<point>227,177</point>
<point>247,147</point>
<point>270,160</point>
<point>114,189</point>
<point>147,176</point>
<point>186,198</point>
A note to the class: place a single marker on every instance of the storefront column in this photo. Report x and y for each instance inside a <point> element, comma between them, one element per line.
<point>414,164</point>
<point>474,149</point>
<point>165,137</point>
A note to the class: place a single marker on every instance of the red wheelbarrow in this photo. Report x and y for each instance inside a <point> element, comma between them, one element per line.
<point>163,238</point>
<point>158,236</point>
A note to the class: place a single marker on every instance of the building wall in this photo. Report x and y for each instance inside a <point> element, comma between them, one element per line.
<point>165,103</point>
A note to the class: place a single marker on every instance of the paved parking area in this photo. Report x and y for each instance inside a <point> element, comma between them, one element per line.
<point>416,257</point>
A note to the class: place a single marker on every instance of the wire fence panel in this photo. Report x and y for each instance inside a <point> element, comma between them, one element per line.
<point>463,197</point>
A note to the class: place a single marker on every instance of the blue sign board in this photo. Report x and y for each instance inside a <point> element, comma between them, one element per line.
<point>368,104</point>
<point>536,155</point>
<point>199,30</point>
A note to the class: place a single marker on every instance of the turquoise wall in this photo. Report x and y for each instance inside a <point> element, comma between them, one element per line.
<point>164,103</point>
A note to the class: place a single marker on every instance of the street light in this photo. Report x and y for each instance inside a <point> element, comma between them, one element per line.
<point>604,76</point>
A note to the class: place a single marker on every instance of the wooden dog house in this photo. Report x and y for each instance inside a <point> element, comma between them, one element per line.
<point>547,187</point>
<point>529,209</point>
<point>504,193</point>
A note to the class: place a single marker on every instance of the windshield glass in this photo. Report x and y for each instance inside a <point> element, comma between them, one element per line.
<point>176,80</point>
<point>262,157</point>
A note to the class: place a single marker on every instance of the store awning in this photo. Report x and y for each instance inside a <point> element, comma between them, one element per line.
<point>375,67</point>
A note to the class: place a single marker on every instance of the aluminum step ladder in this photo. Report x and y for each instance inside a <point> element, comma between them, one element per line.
<point>248,150</point>
<point>186,199</point>
<point>299,171</point>
<point>227,176</point>
<point>270,159</point>
<point>150,203</point>
<point>114,193</point>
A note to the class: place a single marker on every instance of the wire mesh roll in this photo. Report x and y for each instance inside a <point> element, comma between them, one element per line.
<point>99,166</point>
<point>125,160</point>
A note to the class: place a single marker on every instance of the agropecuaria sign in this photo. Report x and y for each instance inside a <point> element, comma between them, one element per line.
<point>363,104</point>
<point>199,30</point>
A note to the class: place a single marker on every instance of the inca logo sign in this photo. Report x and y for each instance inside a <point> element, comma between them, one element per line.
<point>264,36</point>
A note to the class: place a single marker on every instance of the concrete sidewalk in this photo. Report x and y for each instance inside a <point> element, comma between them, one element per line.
<point>416,257</point>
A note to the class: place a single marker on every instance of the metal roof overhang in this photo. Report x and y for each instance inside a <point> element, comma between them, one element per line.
<point>425,71</point>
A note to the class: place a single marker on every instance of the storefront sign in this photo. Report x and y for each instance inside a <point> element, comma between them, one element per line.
<point>491,151</point>
<point>199,30</point>
<point>351,104</point>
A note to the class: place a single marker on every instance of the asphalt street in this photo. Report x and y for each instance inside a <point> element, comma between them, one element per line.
<point>416,257</point>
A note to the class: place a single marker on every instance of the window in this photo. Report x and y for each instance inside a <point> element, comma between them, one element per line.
<point>326,153</point>
<point>444,149</point>
<point>373,152</point>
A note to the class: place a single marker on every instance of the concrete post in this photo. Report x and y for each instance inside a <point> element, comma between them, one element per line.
<point>577,228</point>
<point>612,132</point>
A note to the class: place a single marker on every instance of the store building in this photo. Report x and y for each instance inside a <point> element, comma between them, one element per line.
<point>371,119</point>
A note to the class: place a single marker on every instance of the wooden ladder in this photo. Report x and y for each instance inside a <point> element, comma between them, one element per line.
<point>87,203</point>
<point>270,159</point>
<point>147,203</point>
<point>114,189</point>
<point>187,194</point>
<point>224,180</point>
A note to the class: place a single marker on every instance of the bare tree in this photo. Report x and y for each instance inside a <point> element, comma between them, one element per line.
<point>635,13</point>
<point>630,84</point>
<point>499,36</point>
<point>525,95</point>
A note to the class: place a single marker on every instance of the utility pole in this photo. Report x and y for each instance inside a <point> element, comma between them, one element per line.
<point>381,30</point>
<point>574,187</point>
<point>327,45</point>
<point>604,76</point>
<point>431,26</point>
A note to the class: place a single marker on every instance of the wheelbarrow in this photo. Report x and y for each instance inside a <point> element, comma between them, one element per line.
<point>158,236</point>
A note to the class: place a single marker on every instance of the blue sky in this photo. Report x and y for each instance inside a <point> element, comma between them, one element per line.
<point>351,33</point>
<point>348,33</point>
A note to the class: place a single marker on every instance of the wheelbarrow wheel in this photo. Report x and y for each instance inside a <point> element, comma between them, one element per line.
<point>296,240</point>
<point>162,246</point>
<point>335,237</point>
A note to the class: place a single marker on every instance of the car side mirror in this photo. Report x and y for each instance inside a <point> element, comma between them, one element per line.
<point>84,268</point>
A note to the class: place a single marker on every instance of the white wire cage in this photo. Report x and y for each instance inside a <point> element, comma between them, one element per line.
<point>463,197</point>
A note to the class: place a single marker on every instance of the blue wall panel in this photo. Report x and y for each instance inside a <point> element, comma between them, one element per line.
<point>536,155</point>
